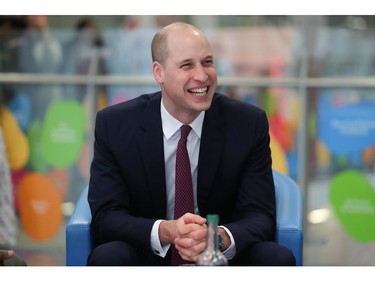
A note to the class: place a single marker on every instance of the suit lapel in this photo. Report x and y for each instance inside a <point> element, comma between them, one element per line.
<point>210,151</point>
<point>150,140</point>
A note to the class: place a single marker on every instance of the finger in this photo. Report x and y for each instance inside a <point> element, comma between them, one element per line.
<point>189,230</point>
<point>185,226</point>
<point>6,254</point>
<point>195,232</point>
<point>191,253</point>
<point>195,227</point>
<point>193,218</point>
<point>189,247</point>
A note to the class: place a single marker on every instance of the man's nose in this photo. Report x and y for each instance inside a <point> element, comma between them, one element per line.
<point>200,73</point>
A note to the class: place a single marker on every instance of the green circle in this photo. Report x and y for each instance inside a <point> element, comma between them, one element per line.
<point>36,160</point>
<point>63,133</point>
<point>353,199</point>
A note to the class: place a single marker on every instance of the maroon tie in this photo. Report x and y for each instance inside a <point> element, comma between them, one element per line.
<point>184,199</point>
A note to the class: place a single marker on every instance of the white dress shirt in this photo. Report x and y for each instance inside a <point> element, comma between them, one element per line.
<point>171,136</point>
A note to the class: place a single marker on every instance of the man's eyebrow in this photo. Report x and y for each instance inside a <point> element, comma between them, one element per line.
<point>185,61</point>
<point>190,60</point>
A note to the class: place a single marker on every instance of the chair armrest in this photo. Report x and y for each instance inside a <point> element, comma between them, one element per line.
<point>289,208</point>
<point>79,241</point>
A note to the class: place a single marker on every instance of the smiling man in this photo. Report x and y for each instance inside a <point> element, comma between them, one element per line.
<point>138,213</point>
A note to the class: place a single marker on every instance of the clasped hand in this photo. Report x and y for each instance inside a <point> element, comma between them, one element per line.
<point>191,231</point>
<point>188,234</point>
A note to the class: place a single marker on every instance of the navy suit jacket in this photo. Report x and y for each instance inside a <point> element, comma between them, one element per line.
<point>127,189</point>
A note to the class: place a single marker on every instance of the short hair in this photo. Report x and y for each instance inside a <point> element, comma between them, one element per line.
<point>159,50</point>
<point>159,47</point>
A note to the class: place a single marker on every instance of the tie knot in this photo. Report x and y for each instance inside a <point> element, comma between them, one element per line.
<point>185,130</point>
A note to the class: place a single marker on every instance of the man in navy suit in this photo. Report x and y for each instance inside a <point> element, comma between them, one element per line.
<point>131,189</point>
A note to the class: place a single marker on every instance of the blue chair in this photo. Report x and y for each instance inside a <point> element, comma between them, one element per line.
<point>79,241</point>
<point>289,232</point>
<point>289,216</point>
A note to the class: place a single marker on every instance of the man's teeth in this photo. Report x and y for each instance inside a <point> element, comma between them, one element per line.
<point>199,92</point>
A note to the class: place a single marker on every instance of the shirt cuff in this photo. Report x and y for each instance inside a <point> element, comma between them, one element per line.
<point>155,241</point>
<point>231,251</point>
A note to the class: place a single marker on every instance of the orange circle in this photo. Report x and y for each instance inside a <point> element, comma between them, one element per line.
<point>40,207</point>
<point>17,176</point>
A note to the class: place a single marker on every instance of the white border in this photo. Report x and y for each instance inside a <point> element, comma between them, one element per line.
<point>187,7</point>
<point>311,273</point>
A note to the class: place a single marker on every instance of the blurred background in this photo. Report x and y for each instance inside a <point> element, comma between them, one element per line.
<point>314,76</point>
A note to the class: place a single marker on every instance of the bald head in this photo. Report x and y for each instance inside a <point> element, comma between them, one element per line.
<point>159,45</point>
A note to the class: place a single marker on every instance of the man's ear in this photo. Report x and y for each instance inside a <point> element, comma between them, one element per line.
<point>157,70</point>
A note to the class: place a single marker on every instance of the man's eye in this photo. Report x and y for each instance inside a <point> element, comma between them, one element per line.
<point>186,65</point>
<point>208,62</point>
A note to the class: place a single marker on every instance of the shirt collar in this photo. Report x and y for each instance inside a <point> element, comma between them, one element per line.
<point>171,124</point>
